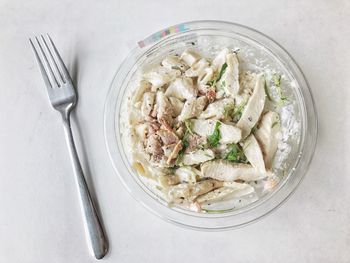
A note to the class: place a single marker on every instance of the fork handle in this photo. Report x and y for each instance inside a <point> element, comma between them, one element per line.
<point>97,240</point>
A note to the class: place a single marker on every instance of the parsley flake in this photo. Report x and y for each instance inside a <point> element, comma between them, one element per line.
<point>215,137</point>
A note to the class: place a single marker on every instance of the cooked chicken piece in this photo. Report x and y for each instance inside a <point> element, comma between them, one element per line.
<point>252,151</point>
<point>160,161</point>
<point>194,141</point>
<point>253,109</point>
<point>177,106</point>
<point>164,109</point>
<point>182,88</point>
<point>190,57</point>
<point>153,126</point>
<point>223,170</point>
<point>228,191</point>
<point>191,191</point>
<point>197,68</point>
<point>167,137</point>
<point>180,132</point>
<point>192,108</point>
<point>174,62</point>
<point>268,134</point>
<point>142,88</point>
<point>197,157</point>
<point>229,133</point>
<point>147,103</point>
<point>154,111</point>
<point>229,80</point>
<point>175,152</point>
<point>153,145</point>
<point>172,144</point>
<point>216,109</point>
<point>168,149</point>
<point>211,94</point>
<point>220,59</point>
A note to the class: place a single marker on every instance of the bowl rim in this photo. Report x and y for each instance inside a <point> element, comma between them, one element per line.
<point>190,219</point>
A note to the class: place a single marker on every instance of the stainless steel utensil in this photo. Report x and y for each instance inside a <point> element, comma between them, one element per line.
<point>63,98</point>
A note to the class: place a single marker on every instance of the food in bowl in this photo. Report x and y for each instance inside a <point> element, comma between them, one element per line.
<point>204,132</point>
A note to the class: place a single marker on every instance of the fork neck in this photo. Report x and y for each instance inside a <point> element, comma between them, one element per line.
<point>65,112</point>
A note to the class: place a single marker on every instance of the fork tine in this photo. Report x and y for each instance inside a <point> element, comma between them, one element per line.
<point>65,72</point>
<point>47,62</point>
<point>58,71</point>
<point>41,66</point>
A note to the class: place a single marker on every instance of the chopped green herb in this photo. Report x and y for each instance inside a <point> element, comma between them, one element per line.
<point>229,110</point>
<point>182,151</point>
<point>215,80</point>
<point>215,137</point>
<point>188,125</point>
<point>222,71</point>
<point>202,146</point>
<point>211,82</point>
<point>283,98</point>
<point>255,128</point>
<point>185,145</point>
<point>274,124</point>
<point>178,161</point>
<point>238,111</point>
<point>172,169</point>
<point>267,91</point>
<point>276,78</point>
<point>236,154</point>
<point>223,83</point>
<point>175,67</point>
<point>233,154</point>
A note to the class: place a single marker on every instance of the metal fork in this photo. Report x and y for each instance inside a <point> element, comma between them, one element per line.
<point>63,99</point>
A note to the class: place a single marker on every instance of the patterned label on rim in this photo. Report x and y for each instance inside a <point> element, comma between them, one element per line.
<point>161,34</point>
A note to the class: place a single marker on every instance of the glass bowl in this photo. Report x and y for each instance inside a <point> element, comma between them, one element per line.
<point>209,36</point>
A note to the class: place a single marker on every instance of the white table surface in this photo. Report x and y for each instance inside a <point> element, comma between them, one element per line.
<point>40,217</point>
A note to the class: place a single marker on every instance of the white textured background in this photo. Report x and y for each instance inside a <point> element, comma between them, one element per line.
<point>40,217</point>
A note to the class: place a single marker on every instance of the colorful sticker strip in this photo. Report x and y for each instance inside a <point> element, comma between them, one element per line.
<point>159,35</point>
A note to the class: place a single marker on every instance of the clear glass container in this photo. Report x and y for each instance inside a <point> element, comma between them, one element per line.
<point>209,37</point>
